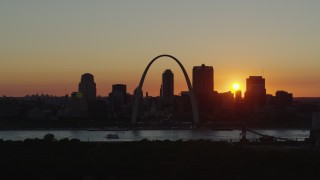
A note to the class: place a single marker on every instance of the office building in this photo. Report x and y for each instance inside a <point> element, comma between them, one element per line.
<point>202,81</point>
<point>255,95</point>
<point>118,97</point>
<point>87,87</point>
<point>283,98</point>
<point>167,84</point>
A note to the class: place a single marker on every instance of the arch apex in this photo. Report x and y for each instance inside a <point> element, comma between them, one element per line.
<point>139,89</point>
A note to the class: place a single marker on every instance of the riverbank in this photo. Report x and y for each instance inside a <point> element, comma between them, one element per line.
<point>65,159</point>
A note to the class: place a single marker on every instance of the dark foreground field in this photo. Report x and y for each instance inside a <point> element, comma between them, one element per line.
<point>37,159</point>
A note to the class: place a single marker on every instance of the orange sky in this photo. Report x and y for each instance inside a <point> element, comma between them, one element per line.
<point>46,46</point>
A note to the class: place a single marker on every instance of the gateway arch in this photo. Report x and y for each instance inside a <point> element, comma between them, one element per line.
<point>139,90</point>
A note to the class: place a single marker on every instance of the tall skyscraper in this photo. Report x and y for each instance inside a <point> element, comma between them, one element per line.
<point>202,80</point>
<point>255,94</point>
<point>87,87</point>
<point>167,83</point>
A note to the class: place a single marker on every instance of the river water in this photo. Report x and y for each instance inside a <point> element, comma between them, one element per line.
<point>136,135</point>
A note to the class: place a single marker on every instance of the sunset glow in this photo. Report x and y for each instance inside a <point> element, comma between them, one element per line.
<point>47,46</point>
<point>236,86</point>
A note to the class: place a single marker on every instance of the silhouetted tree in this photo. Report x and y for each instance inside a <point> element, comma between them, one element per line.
<point>49,137</point>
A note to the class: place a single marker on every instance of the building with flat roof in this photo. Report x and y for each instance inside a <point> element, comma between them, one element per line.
<point>202,81</point>
<point>118,97</point>
<point>167,83</point>
<point>255,95</point>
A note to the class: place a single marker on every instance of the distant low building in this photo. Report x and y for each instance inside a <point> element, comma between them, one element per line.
<point>227,100</point>
<point>315,130</point>
<point>36,114</point>
<point>283,98</point>
<point>98,108</point>
<point>9,108</point>
<point>73,107</point>
<point>238,96</point>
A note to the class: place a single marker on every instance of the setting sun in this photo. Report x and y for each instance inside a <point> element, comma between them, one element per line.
<point>236,86</point>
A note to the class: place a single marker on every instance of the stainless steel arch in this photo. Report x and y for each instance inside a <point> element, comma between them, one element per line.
<point>139,90</point>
